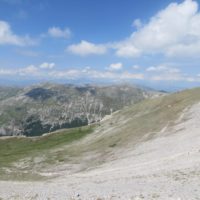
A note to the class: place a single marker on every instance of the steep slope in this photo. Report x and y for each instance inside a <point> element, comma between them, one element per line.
<point>47,107</point>
<point>146,151</point>
<point>7,92</point>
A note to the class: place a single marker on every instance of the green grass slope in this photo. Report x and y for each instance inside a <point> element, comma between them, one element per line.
<point>14,149</point>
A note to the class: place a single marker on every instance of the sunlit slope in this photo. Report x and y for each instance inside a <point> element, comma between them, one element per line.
<point>87,147</point>
<point>21,156</point>
<point>142,121</point>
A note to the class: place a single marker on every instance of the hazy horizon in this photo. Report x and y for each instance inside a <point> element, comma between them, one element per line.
<point>66,42</point>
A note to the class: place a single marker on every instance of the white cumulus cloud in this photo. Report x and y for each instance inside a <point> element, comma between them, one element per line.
<point>162,68</point>
<point>85,48</point>
<point>168,73</point>
<point>95,74</point>
<point>174,31</point>
<point>6,72</point>
<point>153,73</point>
<point>8,37</point>
<point>59,33</point>
<point>29,70</point>
<point>115,66</point>
<point>137,23</point>
<point>47,65</point>
<point>136,67</point>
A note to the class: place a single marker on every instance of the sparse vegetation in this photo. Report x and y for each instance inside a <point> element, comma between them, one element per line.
<point>146,117</point>
<point>130,124</point>
<point>16,148</point>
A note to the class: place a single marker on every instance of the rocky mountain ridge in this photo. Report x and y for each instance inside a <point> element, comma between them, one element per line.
<point>44,108</point>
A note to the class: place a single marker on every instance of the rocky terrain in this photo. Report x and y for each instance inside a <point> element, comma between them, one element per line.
<point>47,107</point>
<point>150,150</point>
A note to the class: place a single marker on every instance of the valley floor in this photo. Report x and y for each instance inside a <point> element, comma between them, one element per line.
<point>167,167</point>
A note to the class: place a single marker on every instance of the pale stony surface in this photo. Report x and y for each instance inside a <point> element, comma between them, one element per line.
<point>167,167</point>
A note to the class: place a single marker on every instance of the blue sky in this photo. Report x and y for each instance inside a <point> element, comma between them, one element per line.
<point>155,43</point>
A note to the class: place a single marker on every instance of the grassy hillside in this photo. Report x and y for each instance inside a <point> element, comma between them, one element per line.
<point>131,124</point>
<point>137,123</point>
<point>125,128</point>
<point>18,148</point>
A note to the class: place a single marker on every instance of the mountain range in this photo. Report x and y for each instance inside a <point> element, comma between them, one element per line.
<point>43,108</point>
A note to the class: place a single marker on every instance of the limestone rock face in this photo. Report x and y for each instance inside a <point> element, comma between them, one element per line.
<point>44,108</point>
